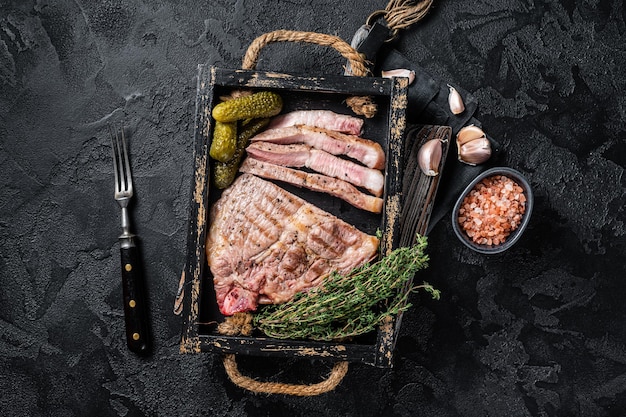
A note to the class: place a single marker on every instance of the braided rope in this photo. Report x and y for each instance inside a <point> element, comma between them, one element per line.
<point>241,324</point>
<point>360,105</point>
<point>335,42</point>
<point>334,378</point>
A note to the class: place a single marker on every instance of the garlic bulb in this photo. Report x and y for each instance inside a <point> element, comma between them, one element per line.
<point>455,101</point>
<point>473,147</point>
<point>429,157</point>
<point>410,74</point>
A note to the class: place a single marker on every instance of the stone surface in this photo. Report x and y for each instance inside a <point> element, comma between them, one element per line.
<point>536,331</point>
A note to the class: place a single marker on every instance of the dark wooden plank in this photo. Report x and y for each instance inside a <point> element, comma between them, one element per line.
<point>332,84</point>
<point>420,190</point>
<point>288,348</point>
<point>195,263</point>
<point>418,196</point>
<point>393,202</point>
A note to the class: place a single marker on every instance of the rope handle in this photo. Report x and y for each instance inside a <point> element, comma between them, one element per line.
<point>330,383</point>
<point>356,60</point>
<point>241,324</point>
<point>360,105</point>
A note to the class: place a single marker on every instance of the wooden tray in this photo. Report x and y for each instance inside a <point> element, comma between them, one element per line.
<point>200,312</point>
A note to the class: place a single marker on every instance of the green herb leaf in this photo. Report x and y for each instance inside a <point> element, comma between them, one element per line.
<point>352,304</point>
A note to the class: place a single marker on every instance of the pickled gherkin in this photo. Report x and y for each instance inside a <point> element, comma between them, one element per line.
<point>224,172</point>
<point>224,141</point>
<point>258,105</point>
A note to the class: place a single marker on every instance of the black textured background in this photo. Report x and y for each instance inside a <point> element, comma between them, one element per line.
<point>537,331</point>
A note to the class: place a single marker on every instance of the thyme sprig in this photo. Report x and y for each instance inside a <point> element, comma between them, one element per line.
<point>352,304</point>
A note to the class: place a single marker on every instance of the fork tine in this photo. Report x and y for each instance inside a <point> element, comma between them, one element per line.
<point>116,169</point>
<point>121,162</point>
<point>127,172</point>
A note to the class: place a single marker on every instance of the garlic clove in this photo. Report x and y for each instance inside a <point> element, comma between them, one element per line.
<point>469,133</point>
<point>429,157</point>
<point>455,101</point>
<point>410,74</point>
<point>476,151</point>
<point>473,147</point>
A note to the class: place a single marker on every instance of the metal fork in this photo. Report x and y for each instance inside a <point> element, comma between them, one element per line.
<point>135,300</point>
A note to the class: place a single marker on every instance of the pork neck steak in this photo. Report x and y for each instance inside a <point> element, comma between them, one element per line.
<point>265,244</point>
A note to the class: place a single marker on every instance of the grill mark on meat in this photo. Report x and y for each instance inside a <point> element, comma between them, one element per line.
<point>366,151</point>
<point>301,155</point>
<point>285,265</point>
<point>319,243</point>
<point>262,231</point>
<point>316,182</point>
<point>264,219</point>
<point>320,118</point>
<point>329,240</point>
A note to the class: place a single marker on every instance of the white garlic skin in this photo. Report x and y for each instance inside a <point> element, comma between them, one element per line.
<point>410,74</point>
<point>455,101</point>
<point>473,147</point>
<point>429,157</point>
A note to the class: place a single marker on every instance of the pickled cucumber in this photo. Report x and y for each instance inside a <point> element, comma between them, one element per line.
<point>224,141</point>
<point>258,105</point>
<point>224,172</point>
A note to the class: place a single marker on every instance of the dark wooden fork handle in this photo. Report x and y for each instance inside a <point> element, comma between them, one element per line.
<point>135,300</point>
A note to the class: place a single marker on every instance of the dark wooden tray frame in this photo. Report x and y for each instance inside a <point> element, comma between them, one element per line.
<point>388,126</point>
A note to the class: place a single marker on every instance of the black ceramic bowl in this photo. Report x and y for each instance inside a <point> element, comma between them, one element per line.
<point>515,235</point>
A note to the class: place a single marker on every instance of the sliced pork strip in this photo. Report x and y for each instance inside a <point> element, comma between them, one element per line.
<point>294,155</point>
<point>316,182</point>
<point>301,155</point>
<point>363,150</point>
<point>320,118</point>
<point>265,244</point>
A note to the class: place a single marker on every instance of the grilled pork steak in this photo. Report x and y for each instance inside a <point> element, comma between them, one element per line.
<point>300,155</point>
<point>320,118</point>
<point>265,244</point>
